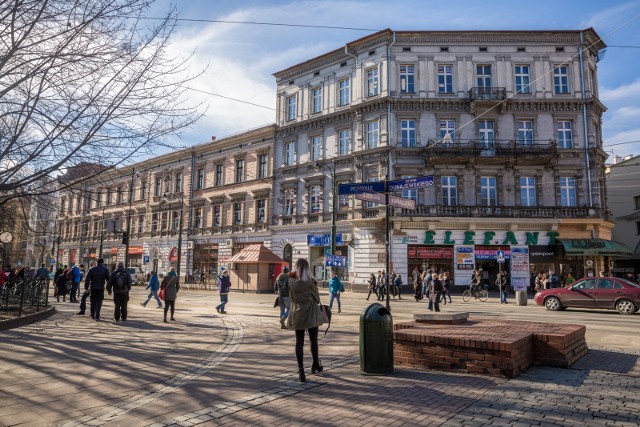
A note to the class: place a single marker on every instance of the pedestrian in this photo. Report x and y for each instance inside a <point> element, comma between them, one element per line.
<point>417,288</point>
<point>284,301</point>
<point>61,286</point>
<point>120,283</point>
<point>224,284</point>
<point>372,286</point>
<point>382,285</point>
<point>97,277</point>
<point>335,288</point>
<point>42,274</point>
<point>434,293</point>
<point>446,285</point>
<point>85,294</point>
<point>426,283</point>
<point>171,287</point>
<point>501,281</point>
<point>76,278</point>
<point>569,280</point>
<point>153,287</point>
<point>305,314</point>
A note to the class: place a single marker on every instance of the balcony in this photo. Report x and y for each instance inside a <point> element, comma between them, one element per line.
<point>484,98</point>
<point>533,153</point>
<point>500,212</point>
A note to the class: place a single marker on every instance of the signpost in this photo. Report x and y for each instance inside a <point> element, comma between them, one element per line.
<point>335,261</point>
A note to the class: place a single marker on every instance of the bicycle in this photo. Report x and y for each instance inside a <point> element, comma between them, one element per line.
<point>480,294</point>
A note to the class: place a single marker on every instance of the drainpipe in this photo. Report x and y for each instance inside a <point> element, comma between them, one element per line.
<point>584,122</point>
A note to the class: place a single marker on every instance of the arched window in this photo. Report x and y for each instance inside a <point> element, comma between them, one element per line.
<point>287,254</point>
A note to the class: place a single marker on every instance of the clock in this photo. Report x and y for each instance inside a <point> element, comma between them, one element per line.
<point>6,237</point>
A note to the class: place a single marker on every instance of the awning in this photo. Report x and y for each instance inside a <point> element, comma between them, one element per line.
<point>600,247</point>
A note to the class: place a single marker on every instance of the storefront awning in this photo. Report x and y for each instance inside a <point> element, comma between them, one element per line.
<point>596,247</point>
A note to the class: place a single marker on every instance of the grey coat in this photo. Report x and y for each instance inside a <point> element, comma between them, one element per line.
<point>171,287</point>
<point>305,312</point>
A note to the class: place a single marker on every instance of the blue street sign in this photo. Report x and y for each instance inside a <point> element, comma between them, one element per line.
<point>500,256</point>
<point>361,187</point>
<point>335,261</point>
<point>323,240</point>
<point>145,259</point>
<point>52,260</point>
<point>419,182</point>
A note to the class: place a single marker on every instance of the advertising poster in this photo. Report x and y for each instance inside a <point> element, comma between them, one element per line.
<point>520,268</point>
<point>464,261</point>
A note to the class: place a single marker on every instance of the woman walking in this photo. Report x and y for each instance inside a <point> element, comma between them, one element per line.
<point>372,286</point>
<point>446,283</point>
<point>305,314</point>
<point>61,285</point>
<point>335,287</point>
<point>153,287</point>
<point>171,287</point>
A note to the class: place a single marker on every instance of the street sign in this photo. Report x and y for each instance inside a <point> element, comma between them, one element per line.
<point>401,202</point>
<point>361,187</point>
<point>335,261</point>
<point>145,259</point>
<point>371,197</point>
<point>52,260</point>
<point>419,182</point>
<point>500,256</point>
<point>323,240</point>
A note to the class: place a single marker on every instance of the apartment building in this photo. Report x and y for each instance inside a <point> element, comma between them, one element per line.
<point>508,123</point>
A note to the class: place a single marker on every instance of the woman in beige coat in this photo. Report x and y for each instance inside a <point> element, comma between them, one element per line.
<point>305,314</point>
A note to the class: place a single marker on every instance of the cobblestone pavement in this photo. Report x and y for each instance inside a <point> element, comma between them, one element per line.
<point>239,369</point>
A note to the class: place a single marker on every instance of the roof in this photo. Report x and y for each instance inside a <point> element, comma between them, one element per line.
<point>257,253</point>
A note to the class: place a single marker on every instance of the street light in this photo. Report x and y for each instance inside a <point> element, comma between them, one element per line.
<point>167,195</point>
<point>128,236</point>
<point>99,255</point>
<point>317,166</point>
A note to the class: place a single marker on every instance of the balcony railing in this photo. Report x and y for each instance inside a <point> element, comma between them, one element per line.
<point>493,148</point>
<point>500,212</point>
<point>487,94</point>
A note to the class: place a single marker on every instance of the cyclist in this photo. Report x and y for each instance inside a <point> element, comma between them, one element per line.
<point>474,285</point>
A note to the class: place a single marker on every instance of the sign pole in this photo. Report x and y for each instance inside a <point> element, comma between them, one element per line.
<point>386,220</point>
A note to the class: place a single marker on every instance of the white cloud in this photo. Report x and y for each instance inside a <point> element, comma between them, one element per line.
<point>610,19</point>
<point>631,90</point>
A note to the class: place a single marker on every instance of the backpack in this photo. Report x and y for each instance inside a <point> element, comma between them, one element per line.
<point>283,286</point>
<point>120,281</point>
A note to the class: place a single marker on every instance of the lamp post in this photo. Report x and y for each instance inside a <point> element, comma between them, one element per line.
<point>167,195</point>
<point>334,204</point>
<point>128,235</point>
<point>99,255</point>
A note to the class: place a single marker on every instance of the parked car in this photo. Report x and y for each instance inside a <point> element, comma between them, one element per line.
<point>137,275</point>
<point>593,292</point>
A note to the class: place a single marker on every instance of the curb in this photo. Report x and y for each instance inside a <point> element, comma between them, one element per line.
<point>28,319</point>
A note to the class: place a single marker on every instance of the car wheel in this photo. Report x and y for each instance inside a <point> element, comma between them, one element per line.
<point>625,306</point>
<point>553,304</point>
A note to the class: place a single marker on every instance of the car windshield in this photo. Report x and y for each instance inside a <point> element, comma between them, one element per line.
<point>131,270</point>
<point>627,282</point>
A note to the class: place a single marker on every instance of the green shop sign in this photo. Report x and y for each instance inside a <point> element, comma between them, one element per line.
<point>486,238</point>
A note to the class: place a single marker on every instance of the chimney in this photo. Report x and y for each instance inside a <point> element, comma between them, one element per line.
<point>213,138</point>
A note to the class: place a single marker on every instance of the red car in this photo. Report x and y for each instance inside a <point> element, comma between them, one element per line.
<point>593,292</point>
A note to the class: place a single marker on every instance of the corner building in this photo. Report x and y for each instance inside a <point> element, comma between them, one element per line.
<point>507,122</point>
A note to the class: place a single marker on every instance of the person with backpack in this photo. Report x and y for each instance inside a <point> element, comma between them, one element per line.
<point>171,287</point>
<point>120,282</point>
<point>97,277</point>
<point>282,290</point>
<point>335,288</point>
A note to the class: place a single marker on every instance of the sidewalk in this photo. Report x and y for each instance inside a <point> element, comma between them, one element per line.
<point>239,369</point>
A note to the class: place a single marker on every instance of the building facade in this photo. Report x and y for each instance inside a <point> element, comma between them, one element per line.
<point>508,124</point>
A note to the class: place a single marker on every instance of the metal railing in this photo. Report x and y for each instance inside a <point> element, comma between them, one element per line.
<point>22,296</point>
<point>487,93</point>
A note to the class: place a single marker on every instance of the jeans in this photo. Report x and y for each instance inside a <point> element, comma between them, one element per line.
<point>97,296</point>
<point>372,290</point>
<point>336,296</point>
<point>73,295</point>
<point>120,300</point>
<point>224,298</point>
<point>313,337</point>
<point>83,301</point>
<point>434,302</point>
<point>154,294</point>
<point>445,293</point>
<point>285,306</point>
<point>503,295</point>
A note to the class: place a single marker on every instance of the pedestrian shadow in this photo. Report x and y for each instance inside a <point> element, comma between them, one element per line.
<point>609,361</point>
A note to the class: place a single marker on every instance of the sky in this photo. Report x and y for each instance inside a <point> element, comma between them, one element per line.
<point>239,59</point>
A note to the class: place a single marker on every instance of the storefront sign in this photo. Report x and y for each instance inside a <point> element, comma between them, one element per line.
<point>464,261</point>
<point>323,240</point>
<point>542,253</point>
<point>173,254</point>
<point>469,237</point>
<point>427,252</point>
<point>520,268</point>
<point>135,250</point>
<point>491,252</point>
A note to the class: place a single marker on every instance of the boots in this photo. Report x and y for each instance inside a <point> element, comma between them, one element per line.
<point>301,376</point>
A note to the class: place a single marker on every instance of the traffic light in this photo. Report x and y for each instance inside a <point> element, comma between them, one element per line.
<point>125,238</point>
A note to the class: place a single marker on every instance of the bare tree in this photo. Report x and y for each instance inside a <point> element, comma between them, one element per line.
<point>84,81</point>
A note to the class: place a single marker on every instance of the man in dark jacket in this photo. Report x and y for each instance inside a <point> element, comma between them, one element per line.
<point>120,282</point>
<point>96,279</point>
<point>282,289</point>
<point>224,284</point>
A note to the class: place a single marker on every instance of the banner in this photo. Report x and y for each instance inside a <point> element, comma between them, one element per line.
<point>520,275</point>
<point>464,261</point>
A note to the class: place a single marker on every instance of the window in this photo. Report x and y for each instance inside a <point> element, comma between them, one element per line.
<point>565,134</point>
<point>568,191</point>
<point>200,180</point>
<point>143,190</point>
<point>447,127</point>
<point>290,154</point>
<point>368,204</point>
<point>314,199</point>
<point>410,193</point>
<point>486,134</point>
<point>344,142</point>
<point>488,193</point>
<point>237,213</point>
<point>445,78</point>
<point>140,223</point>
<point>108,201</point>
<point>449,190</point>
<point>372,82</point>
<point>527,191</point>
<point>175,220</point>
<point>407,79</point>
<point>408,133</point>
<point>636,200</point>
<point>261,205</point>
<point>154,222</point>
<point>79,204</point>
<point>292,107</point>
<point>316,100</point>
<point>343,92</point>
<point>262,166</point>
<point>373,137</point>
<point>219,175</point>
<point>638,227</point>
<point>525,132</point>
<point>165,220</point>
<point>289,202</point>
<point>522,79</point>
<point>483,76</point>
<point>561,79</point>
<point>197,218</point>
<point>98,201</point>
<point>316,148</point>
<point>239,170</point>
<point>158,187</point>
<point>178,186</point>
<point>217,216</point>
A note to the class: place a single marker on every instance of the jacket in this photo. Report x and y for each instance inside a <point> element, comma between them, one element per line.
<point>282,285</point>
<point>154,283</point>
<point>171,287</point>
<point>96,278</point>
<point>305,311</point>
<point>224,283</point>
<point>127,281</point>
<point>42,273</point>
<point>335,285</point>
<point>77,274</point>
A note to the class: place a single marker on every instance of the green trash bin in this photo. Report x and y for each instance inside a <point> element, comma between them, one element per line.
<point>376,340</point>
